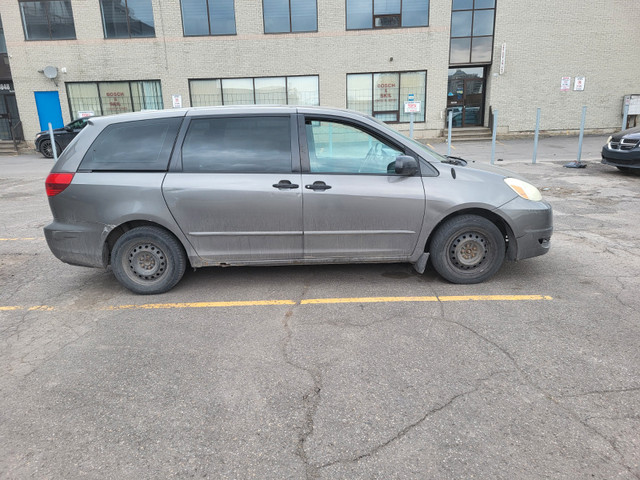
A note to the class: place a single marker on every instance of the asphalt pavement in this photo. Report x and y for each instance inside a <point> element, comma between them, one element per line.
<point>335,371</point>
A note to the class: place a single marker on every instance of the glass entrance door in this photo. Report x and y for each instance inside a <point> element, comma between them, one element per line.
<point>465,96</point>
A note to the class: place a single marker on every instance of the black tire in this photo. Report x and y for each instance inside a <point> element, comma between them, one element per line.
<point>467,249</point>
<point>46,150</point>
<point>148,260</point>
<point>624,169</point>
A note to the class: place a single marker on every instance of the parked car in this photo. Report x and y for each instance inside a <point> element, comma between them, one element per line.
<point>62,137</point>
<point>149,193</point>
<point>622,150</point>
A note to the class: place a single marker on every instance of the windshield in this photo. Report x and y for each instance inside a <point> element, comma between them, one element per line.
<point>427,152</point>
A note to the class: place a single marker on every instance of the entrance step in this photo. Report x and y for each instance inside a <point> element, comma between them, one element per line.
<point>470,133</point>
<point>7,148</point>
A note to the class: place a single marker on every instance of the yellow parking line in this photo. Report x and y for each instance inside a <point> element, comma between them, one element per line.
<point>461,298</point>
<point>16,239</point>
<point>493,298</point>
<point>149,306</point>
<point>308,301</point>
<point>315,301</point>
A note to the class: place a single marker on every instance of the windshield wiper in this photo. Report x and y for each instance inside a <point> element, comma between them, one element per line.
<point>450,159</point>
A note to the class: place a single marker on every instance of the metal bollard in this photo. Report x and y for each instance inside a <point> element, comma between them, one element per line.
<point>493,137</point>
<point>535,139</point>
<point>449,136</point>
<point>578,163</point>
<point>53,143</point>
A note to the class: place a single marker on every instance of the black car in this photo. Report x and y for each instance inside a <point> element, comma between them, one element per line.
<point>62,137</point>
<point>623,150</point>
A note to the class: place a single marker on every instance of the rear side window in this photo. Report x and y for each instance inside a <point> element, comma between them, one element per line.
<point>144,145</point>
<point>238,145</point>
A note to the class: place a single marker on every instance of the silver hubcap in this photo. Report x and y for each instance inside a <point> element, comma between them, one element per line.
<point>147,261</point>
<point>468,250</point>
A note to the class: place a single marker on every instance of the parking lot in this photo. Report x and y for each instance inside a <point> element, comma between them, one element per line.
<point>331,372</point>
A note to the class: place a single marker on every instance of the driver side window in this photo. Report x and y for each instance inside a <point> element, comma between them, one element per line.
<point>338,148</point>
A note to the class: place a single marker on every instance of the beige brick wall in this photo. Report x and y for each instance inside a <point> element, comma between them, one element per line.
<point>545,41</point>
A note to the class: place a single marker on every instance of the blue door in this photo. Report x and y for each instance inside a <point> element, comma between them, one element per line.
<point>49,111</point>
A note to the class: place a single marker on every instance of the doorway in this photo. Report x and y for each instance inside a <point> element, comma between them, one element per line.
<point>465,96</point>
<point>9,118</point>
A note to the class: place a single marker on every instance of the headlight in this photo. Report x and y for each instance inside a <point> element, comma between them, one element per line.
<point>524,189</point>
<point>609,139</point>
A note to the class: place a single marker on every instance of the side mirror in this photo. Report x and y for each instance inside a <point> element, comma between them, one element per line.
<point>406,165</point>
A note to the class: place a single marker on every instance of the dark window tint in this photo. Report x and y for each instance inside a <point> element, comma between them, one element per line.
<point>252,144</point>
<point>282,16</point>
<point>363,14</point>
<point>47,20</point>
<point>133,146</point>
<point>127,18</point>
<point>208,17</point>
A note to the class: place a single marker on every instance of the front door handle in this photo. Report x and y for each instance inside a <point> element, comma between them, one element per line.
<point>285,184</point>
<point>318,186</point>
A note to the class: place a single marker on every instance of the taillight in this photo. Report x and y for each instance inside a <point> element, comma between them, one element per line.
<point>57,182</point>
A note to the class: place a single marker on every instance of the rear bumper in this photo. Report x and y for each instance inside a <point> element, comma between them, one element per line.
<point>78,244</point>
<point>532,226</point>
<point>624,158</point>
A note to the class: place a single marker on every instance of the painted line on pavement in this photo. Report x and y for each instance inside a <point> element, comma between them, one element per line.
<point>17,239</point>
<point>309,301</point>
<point>150,306</point>
<point>464,298</point>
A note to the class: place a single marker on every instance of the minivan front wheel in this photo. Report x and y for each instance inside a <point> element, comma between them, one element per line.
<point>467,249</point>
<point>148,260</point>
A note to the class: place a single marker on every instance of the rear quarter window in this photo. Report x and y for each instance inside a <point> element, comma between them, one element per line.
<point>254,144</point>
<point>143,145</point>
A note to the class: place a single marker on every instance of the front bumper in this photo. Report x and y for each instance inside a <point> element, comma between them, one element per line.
<point>532,226</point>
<point>621,158</point>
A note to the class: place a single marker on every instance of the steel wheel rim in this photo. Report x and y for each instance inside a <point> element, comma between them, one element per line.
<point>469,251</point>
<point>146,262</point>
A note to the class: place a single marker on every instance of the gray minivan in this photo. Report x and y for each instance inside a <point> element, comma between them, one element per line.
<point>148,193</point>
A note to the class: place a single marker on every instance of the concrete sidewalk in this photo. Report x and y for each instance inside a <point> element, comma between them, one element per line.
<point>550,149</point>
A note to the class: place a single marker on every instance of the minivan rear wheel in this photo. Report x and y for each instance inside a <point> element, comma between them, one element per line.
<point>148,260</point>
<point>467,249</point>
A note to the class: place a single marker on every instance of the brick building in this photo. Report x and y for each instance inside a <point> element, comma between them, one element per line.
<point>471,57</point>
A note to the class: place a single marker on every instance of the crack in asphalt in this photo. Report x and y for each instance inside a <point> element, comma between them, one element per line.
<point>602,392</point>
<point>310,400</point>
<point>573,415</point>
<point>413,425</point>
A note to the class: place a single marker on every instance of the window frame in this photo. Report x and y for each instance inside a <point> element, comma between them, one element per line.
<point>97,84</point>
<point>253,81</point>
<point>50,39</point>
<point>400,101</point>
<point>126,4</point>
<point>264,23</point>
<point>235,29</point>
<point>176,165</point>
<point>471,37</point>
<point>386,15</point>
<point>305,157</point>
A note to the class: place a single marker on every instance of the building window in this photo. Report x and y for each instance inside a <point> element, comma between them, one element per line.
<point>472,31</point>
<point>208,17</point>
<point>107,98</point>
<point>383,94</point>
<point>363,14</point>
<point>47,20</point>
<point>127,18</point>
<point>284,16</point>
<point>255,91</point>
